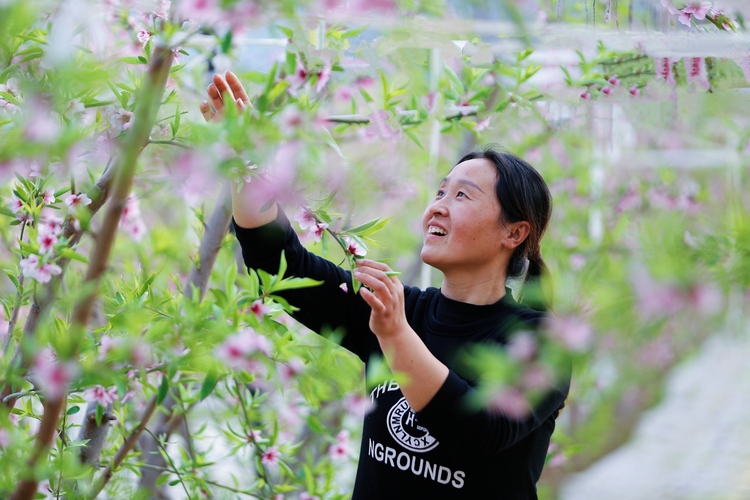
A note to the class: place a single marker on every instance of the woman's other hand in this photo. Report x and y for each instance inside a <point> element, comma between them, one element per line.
<point>385,297</point>
<point>224,89</point>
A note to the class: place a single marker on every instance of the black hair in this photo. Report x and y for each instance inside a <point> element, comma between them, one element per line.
<point>523,196</point>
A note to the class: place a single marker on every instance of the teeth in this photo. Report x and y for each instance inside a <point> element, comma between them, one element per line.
<point>436,230</point>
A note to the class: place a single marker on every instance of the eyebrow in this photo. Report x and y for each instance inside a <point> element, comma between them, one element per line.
<point>462,181</point>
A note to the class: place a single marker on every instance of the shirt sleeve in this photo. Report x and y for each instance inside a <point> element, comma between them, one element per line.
<point>321,307</point>
<point>454,424</point>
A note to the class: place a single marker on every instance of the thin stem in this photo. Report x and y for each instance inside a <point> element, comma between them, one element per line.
<point>170,143</point>
<point>169,459</point>
<point>262,471</point>
<point>17,304</point>
<point>19,395</point>
<point>207,481</point>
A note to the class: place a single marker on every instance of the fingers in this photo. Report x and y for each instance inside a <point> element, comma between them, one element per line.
<point>378,282</point>
<point>238,91</point>
<point>205,108</point>
<point>375,304</point>
<point>216,101</point>
<point>223,87</point>
<point>367,264</point>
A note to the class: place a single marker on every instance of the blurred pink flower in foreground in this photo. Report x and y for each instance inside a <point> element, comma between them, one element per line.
<point>259,309</point>
<point>358,405</point>
<point>522,346</point>
<point>655,299</point>
<point>344,287</point>
<point>306,496</point>
<point>305,219</point>
<point>52,376</point>
<point>237,348</point>
<point>510,402</point>
<point>131,221</point>
<point>572,332</point>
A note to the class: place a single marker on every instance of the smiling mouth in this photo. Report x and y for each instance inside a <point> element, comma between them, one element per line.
<point>436,231</point>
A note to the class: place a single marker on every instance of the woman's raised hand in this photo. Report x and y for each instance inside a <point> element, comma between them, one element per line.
<point>386,298</point>
<point>223,88</point>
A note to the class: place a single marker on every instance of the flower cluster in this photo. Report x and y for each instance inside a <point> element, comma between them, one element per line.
<point>131,220</point>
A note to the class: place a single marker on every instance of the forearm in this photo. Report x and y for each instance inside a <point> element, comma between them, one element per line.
<point>248,201</point>
<point>407,354</point>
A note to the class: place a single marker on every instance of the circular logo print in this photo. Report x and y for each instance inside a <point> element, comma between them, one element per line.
<point>403,426</point>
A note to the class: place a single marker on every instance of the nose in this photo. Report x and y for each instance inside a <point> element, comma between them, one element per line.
<point>438,207</point>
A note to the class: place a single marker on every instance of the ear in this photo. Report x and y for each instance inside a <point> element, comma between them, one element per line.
<point>516,233</point>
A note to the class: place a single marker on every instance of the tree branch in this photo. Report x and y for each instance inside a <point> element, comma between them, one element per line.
<point>167,421</point>
<point>149,100</point>
<point>126,447</point>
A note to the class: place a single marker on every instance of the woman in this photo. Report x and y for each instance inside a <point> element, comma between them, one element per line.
<point>421,440</point>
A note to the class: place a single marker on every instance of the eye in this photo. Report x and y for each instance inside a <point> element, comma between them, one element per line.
<point>440,193</point>
<point>461,193</point>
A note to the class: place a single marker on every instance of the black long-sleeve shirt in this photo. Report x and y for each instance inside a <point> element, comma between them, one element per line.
<point>445,450</point>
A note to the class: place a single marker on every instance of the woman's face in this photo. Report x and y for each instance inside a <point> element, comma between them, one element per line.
<point>461,225</point>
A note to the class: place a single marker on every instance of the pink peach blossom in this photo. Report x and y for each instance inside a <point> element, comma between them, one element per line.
<point>102,396</point>
<point>48,197</point>
<point>259,309</point>
<point>76,201</point>
<point>697,9</point>
<point>324,75</point>
<point>353,247</point>
<point>46,242</point>
<point>270,457</point>
<point>305,219</point>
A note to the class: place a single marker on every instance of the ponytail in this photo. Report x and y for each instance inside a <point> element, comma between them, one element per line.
<point>523,196</point>
<point>534,293</point>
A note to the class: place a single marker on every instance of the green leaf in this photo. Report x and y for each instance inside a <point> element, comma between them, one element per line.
<point>282,265</point>
<point>367,96</point>
<point>208,384</point>
<point>278,89</point>
<point>287,31</point>
<point>71,254</point>
<point>132,60</point>
<point>162,480</point>
<point>163,389</point>
<point>294,283</point>
<point>13,279</point>
<point>354,32</point>
<point>413,137</point>
<point>99,414</point>
<point>73,410</point>
<point>360,230</point>
<point>501,107</point>
<point>226,43</point>
<point>291,63</point>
